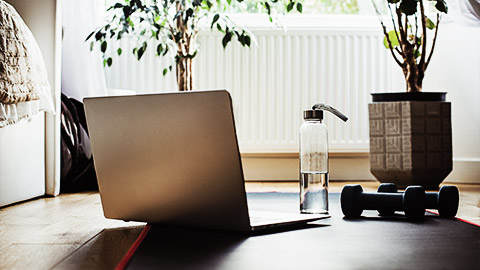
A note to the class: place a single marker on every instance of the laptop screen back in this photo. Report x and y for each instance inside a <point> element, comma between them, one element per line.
<point>169,158</point>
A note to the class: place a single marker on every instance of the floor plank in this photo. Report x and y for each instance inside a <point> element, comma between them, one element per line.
<point>104,251</point>
<point>33,256</point>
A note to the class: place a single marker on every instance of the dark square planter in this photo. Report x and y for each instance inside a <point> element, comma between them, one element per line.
<point>411,142</point>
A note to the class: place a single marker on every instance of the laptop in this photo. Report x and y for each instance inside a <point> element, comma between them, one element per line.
<point>173,159</point>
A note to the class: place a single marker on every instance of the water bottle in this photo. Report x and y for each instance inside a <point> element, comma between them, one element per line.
<point>314,160</point>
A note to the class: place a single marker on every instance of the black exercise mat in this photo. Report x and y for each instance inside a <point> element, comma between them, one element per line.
<point>369,242</point>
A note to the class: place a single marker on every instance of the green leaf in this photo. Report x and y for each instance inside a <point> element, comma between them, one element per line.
<point>159,49</point>
<point>248,40</point>
<point>103,47</point>
<point>267,6</point>
<point>408,7</point>
<point>165,51</point>
<point>219,28</point>
<point>241,39</point>
<point>90,35</point>
<point>91,46</point>
<point>299,7</point>
<point>226,39</point>
<point>119,51</point>
<point>98,35</point>
<point>165,71</point>
<point>130,22</point>
<point>430,23</point>
<point>188,14</point>
<point>393,39</point>
<point>109,61</point>
<point>127,11</point>
<point>178,36</point>
<point>140,52</point>
<point>197,3</point>
<point>441,6</point>
<point>215,19</point>
<point>290,6</point>
<point>416,53</point>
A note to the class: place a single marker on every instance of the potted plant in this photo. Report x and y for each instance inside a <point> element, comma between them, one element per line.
<point>173,25</point>
<point>410,132</point>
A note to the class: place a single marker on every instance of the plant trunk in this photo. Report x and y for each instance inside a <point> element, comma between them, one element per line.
<point>184,74</point>
<point>411,70</point>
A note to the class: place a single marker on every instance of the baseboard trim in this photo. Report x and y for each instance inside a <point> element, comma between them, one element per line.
<point>465,170</point>
<point>285,167</point>
<point>342,167</point>
<point>295,155</point>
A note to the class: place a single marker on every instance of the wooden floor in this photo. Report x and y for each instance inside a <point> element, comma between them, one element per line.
<point>70,232</point>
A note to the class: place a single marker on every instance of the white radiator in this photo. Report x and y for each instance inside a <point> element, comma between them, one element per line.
<point>273,83</point>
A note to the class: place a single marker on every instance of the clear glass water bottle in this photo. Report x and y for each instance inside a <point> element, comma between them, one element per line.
<point>314,160</point>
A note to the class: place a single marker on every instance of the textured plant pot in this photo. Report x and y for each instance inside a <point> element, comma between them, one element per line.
<point>411,141</point>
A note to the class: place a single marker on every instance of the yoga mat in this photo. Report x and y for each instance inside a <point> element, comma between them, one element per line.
<point>369,242</point>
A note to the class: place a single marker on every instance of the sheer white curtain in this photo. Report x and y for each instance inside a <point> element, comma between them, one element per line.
<point>82,70</point>
<point>466,12</point>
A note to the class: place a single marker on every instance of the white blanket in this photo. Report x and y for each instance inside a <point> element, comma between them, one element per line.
<point>23,75</point>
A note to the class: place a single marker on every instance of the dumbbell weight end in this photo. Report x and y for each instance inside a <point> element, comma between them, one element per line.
<point>354,201</point>
<point>446,200</point>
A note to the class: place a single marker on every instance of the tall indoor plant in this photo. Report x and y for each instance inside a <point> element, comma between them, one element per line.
<point>408,40</point>
<point>410,132</point>
<point>173,25</point>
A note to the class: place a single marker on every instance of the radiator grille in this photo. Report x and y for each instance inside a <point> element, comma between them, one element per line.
<point>273,83</point>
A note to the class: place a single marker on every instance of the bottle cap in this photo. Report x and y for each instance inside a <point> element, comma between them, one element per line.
<point>313,114</point>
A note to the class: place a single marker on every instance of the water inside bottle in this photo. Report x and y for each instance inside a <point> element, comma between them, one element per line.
<point>314,192</point>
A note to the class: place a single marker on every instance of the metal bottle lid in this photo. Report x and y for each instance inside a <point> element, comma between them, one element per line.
<point>313,114</point>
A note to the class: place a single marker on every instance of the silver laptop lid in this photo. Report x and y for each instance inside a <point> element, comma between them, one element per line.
<point>169,158</point>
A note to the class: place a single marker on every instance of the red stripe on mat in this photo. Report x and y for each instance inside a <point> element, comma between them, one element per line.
<point>460,219</point>
<point>123,263</point>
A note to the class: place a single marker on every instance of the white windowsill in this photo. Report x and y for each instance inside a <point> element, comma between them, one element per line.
<point>303,21</point>
<point>312,21</point>
<point>307,21</point>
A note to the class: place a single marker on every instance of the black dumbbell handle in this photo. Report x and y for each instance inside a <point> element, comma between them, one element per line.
<point>389,200</point>
<point>431,200</point>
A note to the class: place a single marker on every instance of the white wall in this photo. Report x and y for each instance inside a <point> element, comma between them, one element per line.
<point>455,68</point>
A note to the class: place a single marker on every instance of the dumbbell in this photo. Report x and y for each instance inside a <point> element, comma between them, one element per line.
<point>354,201</point>
<point>445,200</point>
